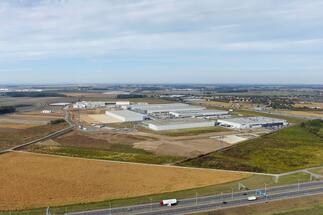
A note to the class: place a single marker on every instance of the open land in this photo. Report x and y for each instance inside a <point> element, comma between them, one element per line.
<point>33,180</point>
<point>15,134</point>
<point>109,146</point>
<point>133,146</point>
<point>296,147</point>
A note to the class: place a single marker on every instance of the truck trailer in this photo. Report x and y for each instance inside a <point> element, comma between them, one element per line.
<point>168,202</point>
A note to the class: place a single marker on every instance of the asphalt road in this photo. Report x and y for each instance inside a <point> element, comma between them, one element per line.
<point>192,205</point>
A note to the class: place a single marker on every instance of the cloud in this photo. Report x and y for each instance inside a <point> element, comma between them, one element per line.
<point>77,28</point>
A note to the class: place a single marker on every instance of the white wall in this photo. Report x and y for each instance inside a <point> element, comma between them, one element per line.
<point>180,126</point>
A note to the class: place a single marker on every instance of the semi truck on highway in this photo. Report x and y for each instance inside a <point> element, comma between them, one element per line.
<point>168,202</point>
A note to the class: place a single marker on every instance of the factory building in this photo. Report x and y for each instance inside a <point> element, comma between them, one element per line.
<point>162,125</point>
<point>160,108</point>
<point>252,122</point>
<point>199,113</point>
<point>125,116</point>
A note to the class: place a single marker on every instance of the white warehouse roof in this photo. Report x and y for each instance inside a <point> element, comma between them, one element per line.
<point>155,108</point>
<point>159,125</point>
<point>250,122</point>
<point>126,115</point>
<point>196,113</point>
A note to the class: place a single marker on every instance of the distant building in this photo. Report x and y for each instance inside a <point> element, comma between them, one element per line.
<point>46,111</point>
<point>122,103</point>
<point>60,104</point>
<point>160,108</point>
<point>90,104</point>
<point>252,122</point>
<point>126,116</point>
<point>199,113</point>
<point>162,125</point>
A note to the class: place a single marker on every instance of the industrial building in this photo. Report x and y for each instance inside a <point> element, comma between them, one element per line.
<point>199,113</point>
<point>89,105</point>
<point>162,125</point>
<point>159,108</point>
<point>126,116</point>
<point>252,122</point>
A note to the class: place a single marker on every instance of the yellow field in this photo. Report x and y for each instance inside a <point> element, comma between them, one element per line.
<point>304,113</point>
<point>32,180</point>
<point>310,105</point>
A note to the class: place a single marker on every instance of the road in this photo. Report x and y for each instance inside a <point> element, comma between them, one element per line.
<point>214,202</point>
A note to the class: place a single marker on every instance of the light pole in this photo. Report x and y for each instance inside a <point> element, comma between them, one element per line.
<point>298,185</point>
<point>266,191</point>
<point>151,204</point>
<point>195,198</point>
<point>110,208</point>
<point>232,193</point>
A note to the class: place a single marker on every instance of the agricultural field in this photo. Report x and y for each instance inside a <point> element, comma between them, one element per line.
<point>16,134</point>
<point>34,180</point>
<point>313,105</point>
<point>307,114</point>
<point>108,146</point>
<point>292,148</point>
<point>27,119</point>
<point>227,105</point>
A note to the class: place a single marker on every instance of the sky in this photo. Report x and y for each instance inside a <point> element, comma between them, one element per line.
<point>161,41</point>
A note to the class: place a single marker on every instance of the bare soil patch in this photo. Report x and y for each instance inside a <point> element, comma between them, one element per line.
<point>98,140</point>
<point>31,180</point>
<point>185,148</point>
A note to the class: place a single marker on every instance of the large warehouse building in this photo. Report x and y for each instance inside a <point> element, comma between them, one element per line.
<point>199,113</point>
<point>252,122</point>
<point>160,108</point>
<point>126,115</point>
<point>162,125</point>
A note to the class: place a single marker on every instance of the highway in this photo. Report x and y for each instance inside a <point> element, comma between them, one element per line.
<point>214,202</point>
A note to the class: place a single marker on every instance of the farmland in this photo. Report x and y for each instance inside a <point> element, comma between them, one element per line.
<point>15,134</point>
<point>107,146</point>
<point>292,148</point>
<point>40,180</point>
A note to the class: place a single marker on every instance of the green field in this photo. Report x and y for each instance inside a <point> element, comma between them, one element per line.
<point>314,210</point>
<point>117,153</point>
<point>297,147</point>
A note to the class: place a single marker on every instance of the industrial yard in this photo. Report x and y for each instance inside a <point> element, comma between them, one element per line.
<point>150,131</point>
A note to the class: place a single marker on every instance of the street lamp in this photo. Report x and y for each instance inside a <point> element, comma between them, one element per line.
<point>298,185</point>
<point>196,198</point>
